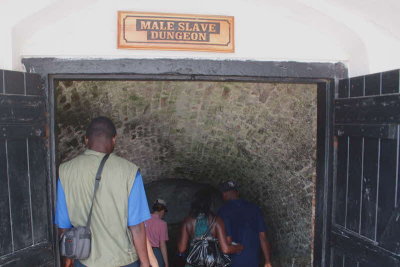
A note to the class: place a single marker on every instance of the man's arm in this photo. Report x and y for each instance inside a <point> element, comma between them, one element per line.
<point>184,236</point>
<point>139,241</point>
<point>265,247</point>
<point>225,243</point>
<point>62,219</point>
<point>138,213</point>
<point>163,247</point>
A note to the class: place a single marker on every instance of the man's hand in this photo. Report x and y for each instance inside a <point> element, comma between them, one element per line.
<point>144,265</point>
<point>268,264</point>
<point>240,247</point>
<point>65,262</point>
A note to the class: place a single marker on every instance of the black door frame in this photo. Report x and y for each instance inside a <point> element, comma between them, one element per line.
<point>324,75</point>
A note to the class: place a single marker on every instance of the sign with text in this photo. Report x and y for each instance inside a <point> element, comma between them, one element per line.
<point>139,30</point>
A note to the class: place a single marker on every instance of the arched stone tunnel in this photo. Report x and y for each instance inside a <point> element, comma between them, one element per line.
<point>263,135</point>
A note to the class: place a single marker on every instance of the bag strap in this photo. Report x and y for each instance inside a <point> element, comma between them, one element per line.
<point>96,185</point>
<point>209,227</point>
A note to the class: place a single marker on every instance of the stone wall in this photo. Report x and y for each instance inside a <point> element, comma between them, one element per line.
<point>262,135</point>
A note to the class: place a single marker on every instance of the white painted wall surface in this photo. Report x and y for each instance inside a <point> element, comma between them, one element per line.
<point>11,13</point>
<point>363,34</point>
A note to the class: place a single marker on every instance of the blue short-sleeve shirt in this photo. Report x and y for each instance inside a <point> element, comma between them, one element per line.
<point>243,223</point>
<point>138,209</point>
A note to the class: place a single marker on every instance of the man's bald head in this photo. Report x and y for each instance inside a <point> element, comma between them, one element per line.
<point>101,127</point>
<point>100,135</point>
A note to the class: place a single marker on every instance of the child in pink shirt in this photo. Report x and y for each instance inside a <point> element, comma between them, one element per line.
<point>157,232</point>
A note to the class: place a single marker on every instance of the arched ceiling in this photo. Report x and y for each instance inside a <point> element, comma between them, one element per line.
<point>383,14</point>
<point>262,135</point>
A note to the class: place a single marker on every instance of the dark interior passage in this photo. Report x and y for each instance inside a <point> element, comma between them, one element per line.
<point>263,135</point>
<point>178,193</point>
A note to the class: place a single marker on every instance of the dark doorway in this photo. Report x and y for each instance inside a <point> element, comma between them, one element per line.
<point>263,135</point>
<point>320,74</point>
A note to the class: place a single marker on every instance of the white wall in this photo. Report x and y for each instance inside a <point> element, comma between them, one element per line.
<point>11,12</point>
<point>355,32</point>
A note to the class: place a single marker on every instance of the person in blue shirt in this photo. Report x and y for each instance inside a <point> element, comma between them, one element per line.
<point>138,210</point>
<point>100,140</point>
<point>244,224</point>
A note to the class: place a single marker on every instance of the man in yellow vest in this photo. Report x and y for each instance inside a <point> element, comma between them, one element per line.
<point>120,207</point>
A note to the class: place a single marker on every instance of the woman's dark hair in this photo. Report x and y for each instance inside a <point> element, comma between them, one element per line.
<point>201,203</point>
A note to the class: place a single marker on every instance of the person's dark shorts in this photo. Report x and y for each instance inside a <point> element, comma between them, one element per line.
<point>134,264</point>
<point>159,257</point>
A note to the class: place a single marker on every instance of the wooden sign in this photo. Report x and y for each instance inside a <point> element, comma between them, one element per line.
<point>139,30</point>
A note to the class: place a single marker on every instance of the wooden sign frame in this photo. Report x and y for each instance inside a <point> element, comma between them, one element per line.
<point>165,31</point>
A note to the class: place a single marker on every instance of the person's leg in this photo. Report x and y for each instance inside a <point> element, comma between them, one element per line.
<point>159,257</point>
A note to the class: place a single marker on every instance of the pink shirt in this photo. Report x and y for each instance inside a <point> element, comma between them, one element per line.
<point>156,230</point>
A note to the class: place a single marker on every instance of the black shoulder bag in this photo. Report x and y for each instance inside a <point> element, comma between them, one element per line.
<point>205,251</point>
<point>76,242</point>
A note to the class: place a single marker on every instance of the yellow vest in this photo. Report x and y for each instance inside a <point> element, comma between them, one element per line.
<point>111,239</point>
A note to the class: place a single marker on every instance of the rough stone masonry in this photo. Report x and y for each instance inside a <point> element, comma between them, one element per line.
<point>261,134</point>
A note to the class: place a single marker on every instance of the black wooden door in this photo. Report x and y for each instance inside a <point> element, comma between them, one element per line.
<point>25,207</point>
<point>365,228</point>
